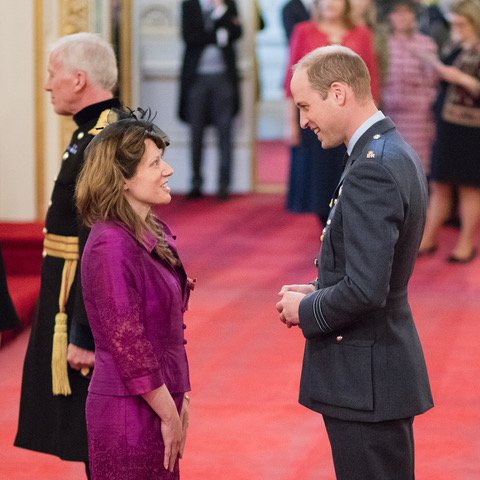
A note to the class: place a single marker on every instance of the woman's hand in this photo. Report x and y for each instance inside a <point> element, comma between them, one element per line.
<point>172,439</point>
<point>452,74</point>
<point>184,420</point>
<point>171,427</point>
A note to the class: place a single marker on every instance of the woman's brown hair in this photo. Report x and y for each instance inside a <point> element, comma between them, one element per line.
<point>470,9</point>
<point>110,158</point>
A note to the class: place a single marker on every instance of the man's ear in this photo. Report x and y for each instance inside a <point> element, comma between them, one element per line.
<point>80,80</point>
<point>339,92</point>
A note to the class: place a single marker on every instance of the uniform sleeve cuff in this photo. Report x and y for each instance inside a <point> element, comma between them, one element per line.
<point>312,321</point>
<point>81,336</point>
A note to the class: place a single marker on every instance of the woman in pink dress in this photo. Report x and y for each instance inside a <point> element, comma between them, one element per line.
<point>315,172</point>
<point>411,84</point>
<point>135,293</point>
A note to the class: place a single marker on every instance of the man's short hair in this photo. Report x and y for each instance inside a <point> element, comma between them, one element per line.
<point>335,63</point>
<point>90,53</point>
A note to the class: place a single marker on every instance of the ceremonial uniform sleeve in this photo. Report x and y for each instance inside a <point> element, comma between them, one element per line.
<point>372,215</point>
<point>80,333</point>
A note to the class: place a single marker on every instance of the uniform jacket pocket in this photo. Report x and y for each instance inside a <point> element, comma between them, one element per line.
<point>341,374</point>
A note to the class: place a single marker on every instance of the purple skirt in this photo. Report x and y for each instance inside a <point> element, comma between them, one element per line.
<point>125,440</point>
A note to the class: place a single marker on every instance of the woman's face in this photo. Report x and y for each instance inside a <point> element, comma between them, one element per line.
<point>402,19</point>
<point>331,10</point>
<point>360,7</point>
<point>149,184</point>
<point>462,30</point>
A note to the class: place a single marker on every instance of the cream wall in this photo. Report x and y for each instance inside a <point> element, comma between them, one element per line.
<point>17,159</point>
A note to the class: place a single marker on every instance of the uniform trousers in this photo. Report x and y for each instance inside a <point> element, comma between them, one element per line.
<point>211,102</point>
<point>372,451</point>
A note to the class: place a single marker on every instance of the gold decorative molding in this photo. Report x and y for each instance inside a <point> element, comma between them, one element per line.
<point>39,110</point>
<point>74,16</point>
<point>126,52</point>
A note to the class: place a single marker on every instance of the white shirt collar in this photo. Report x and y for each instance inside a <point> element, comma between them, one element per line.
<point>206,4</point>
<point>376,117</point>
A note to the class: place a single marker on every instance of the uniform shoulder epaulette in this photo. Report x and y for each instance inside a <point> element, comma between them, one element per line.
<point>375,147</point>
<point>101,123</point>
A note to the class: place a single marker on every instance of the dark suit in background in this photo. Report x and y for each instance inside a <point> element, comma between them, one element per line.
<point>209,90</point>
<point>293,12</point>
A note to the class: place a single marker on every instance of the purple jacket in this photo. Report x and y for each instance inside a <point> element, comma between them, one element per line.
<point>135,304</point>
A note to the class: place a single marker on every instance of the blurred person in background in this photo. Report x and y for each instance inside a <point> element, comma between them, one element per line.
<point>209,85</point>
<point>410,86</point>
<point>314,171</point>
<point>456,147</point>
<point>293,12</point>
<point>431,20</point>
<point>364,13</point>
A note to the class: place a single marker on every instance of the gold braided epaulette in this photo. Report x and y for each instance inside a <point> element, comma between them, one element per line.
<point>101,123</point>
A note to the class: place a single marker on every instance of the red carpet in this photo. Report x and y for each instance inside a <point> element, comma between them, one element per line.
<point>273,160</point>
<point>245,365</point>
<point>22,257</point>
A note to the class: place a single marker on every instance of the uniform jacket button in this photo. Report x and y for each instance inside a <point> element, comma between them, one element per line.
<point>184,341</point>
<point>315,262</point>
<point>339,338</point>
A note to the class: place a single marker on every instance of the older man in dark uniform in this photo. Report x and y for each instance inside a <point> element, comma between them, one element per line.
<point>363,367</point>
<point>82,73</point>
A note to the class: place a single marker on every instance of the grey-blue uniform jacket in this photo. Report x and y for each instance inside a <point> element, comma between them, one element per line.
<point>363,360</point>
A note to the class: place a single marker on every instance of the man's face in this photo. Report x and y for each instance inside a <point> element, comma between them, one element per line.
<point>321,116</point>
<point>61,85</point>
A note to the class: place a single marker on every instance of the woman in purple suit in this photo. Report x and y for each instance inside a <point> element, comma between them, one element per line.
<point>135,292</point>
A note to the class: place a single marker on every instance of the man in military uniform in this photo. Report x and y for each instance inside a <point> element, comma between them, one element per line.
<point>82,72</point>
<point>363,367</point>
